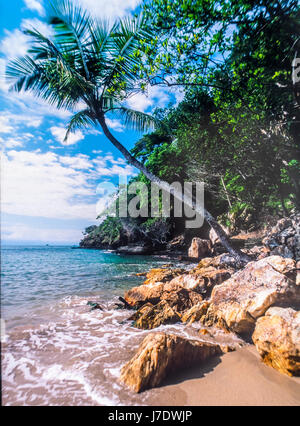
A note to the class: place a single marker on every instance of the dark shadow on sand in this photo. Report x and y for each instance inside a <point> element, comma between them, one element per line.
<point>193,372</point>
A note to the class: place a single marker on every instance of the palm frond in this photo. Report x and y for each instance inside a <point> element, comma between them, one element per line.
<point>44,49</point>
<point>80,120</point>
<point>71,24</point>
<point>137,120</point>
<point>124,59</point>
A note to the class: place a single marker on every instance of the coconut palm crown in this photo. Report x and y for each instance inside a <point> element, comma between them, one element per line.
<point>85,62</point>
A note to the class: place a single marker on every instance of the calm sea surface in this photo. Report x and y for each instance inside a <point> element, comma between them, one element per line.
<point>55,350</point>
<point>33,278</point>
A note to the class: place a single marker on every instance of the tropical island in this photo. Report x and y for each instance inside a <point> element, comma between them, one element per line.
<point>236,128</point>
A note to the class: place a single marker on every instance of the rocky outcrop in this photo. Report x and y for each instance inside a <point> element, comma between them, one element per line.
<point>181,299</point>
<point>162,275</point>
<point>177,296</point>
<point>277,339</point>
<point>195,313</point>
<point>239,301</point>
<point>199,248</point>
<point>159,355</point>
<point>138,296</point>
<point>222,261</point>
<point>177,244</point>
<point>202,280</point>
<point>284,238</point>
<point>149,316</point>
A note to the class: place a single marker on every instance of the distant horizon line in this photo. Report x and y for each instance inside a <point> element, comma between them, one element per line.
<point>38,243</point>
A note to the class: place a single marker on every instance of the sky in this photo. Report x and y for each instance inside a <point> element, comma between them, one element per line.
<point>52,190</point>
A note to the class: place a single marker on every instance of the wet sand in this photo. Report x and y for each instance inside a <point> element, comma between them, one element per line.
<point>236,378</point>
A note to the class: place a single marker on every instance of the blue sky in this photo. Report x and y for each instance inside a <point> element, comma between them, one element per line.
<point>49,187</point>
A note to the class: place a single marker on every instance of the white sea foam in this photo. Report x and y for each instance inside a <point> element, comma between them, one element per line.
<point>73,360</point>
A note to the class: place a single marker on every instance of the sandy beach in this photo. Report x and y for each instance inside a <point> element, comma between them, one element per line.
<point>236,378</point>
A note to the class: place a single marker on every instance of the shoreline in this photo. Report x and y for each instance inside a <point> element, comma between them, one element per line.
<point>237,378</point>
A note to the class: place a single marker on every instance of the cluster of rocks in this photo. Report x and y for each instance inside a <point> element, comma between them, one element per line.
<point>284,238</point>
<point>260,301</point>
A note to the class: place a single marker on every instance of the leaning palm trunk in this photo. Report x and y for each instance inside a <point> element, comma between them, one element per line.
<point>236,253</point>
<point>87,62</point>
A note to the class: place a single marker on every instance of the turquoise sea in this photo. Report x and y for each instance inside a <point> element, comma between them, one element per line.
<point>38,276</point>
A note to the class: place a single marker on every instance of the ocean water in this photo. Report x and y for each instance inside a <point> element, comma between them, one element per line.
<point>34,278</point>
<point>55,350</point>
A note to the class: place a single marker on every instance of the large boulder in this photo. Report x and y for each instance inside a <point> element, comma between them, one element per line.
<point>199,248</point>
<point>159,355</point>
<point>178,297</point>
<point>239,301</point>
<point>149,316</point>
<point>277,339</point>
<point>138,296</point>
<point>202,280</point>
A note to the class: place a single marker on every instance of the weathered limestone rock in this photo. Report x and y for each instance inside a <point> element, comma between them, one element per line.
<point>138,296</point>
<point>162,275</point>
<point>149,316</point>
<point>222,261</point>
<point>178,297</point>
<point>277,339</point>
<point>159,355</point>
<point>202,280</point>
<point>181,299</point>
<point>239,301</point>
<point>143,310</point>
<point>199,248</point>
<point>195,313</point>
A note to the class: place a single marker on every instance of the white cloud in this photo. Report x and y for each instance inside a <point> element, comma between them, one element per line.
<point>140,102</point>
<point>14,44</point>
<point>39,184</point>
<point>5,126</point>
<point>20,231</point>
<point>80,162</point>
<point>12,129</point>
<point>52,186</point>
<point>60,132</point>
<point>115,124</point>
<point>8,143</point>
<point>110,9</point>
<point>35,5</point>
<point>155,96</point>
<point>37,24</point>
<point>19,119</point>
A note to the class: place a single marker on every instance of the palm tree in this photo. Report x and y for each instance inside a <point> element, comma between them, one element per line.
<point>89,62</point>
